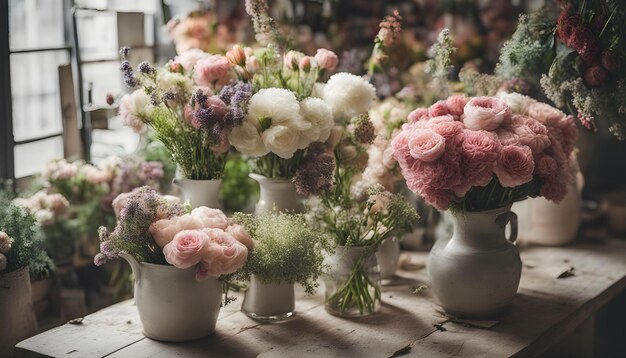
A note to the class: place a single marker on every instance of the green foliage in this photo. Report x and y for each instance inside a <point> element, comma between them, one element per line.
<point>440,65</point>
<point>25,249</point>
<point>190,148</point>
<point>238,190</point>
<point>287,249</point>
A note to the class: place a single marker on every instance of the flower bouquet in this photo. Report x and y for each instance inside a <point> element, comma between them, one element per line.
<point>476,157</point>
<point>359,220</point>
<point>286,251</point>
<point>178,302</point>
<point>579,55</point>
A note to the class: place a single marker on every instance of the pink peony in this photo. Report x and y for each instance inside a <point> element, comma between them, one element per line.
<point>485,113</point>
<point>211,69</point>
<point>507,137</point>
<point>187,248</point>
<point>223,255</point>
<point>211,218</point>
<point>417,115</point>
<point>426,145</point>
<point>164,230</point>
<point>545,113</point>
<point>553,190</point>
<point>480,151</point>
<point>326,59</point>
<point>447,129</point>
<point>438,109</point>
<point>189,58</point>
<point>515,166</point>
<point>546,166</point>
<point>531,133</point>
<point>241,235</point>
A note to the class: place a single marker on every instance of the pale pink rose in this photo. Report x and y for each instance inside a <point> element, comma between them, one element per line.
<point>217,105</point>
<point>223,255</point>
<point>553,190</point>
<point>438,109</point>
<point>400,145</point>
<point>94,175</point>
<point>164,230</point>
<point>241,235</point>
<point>485,113</point>
<point>5,243</point>
<point>426,145</point>
<point>189,58</point>
<point>57,203</point>
<point>130,106</point>
<point>210,218</point>
<point>507,137</point>
<point>530,132</point>
<point>326,59</point>
<point>186,249</point>
<point>515,166</point>
<point>440,119</point>
<point>456,105</point>
<point>545,113</point>
<point>417,115</point>
<point>448,129</point>
<point>211,69</point>
<point>480,151</point>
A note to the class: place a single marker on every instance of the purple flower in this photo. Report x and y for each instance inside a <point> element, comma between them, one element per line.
<point>229,91</point>
<point>127,72</point>
<point>144,67</point>
<point>315,175</point>
<point>124,51</point>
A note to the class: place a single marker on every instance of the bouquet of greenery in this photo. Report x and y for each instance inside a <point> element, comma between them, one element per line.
<point>359,217</point>
<point>286,249</point>
<point>576,58</point>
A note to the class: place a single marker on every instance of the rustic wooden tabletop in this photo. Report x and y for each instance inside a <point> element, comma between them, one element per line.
<point>549,306</point>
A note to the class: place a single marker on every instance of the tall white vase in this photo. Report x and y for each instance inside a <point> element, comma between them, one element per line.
<point>388,255</point>
<point>476,273</point>
<point>173,306</point>
<point>201,192</point>
<point>268,301</point>
<point>17,315</point>
<point>277,195</point>
<point>543,222</point>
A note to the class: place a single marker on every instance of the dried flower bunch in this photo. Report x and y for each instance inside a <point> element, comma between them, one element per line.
<point>286,249</point>
<point>481,153</point>
<point>157,229</point>
<point>579,55</point>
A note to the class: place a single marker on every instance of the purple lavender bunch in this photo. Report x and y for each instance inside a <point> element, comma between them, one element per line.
<point>315,175</point>
<point>236,95</point>
<point>127,72</point>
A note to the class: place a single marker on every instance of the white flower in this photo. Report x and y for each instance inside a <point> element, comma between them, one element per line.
<point>133,107</point>
<point>247,139</point>
<point>176,82</point>
<point>348,95</point>
<point>281,140</point>
<point>189,58</point>
<point>279,106</point>
<point>318,90</point>
<point>517,102</point>
<point>44,217</point>
<point>320,115</point>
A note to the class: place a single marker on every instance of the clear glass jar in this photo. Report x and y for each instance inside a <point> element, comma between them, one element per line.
<point>352,282</point>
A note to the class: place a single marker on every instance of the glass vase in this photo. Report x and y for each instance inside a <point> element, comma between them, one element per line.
<point>352,282</point>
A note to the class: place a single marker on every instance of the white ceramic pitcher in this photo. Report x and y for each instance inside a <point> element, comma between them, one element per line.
<point>173,306</point>
<point>201,192</point>
<point>277,194</point>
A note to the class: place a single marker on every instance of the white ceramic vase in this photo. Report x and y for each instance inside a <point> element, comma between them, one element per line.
<point>201,192</point>
<point>388,255</point>
<point>546,223</point>
<point>277,195</point>
<point>476,273</point>
<point>17,316</point>
<point>352,282</point>
<point>173,306</point>
<point>268,301</point>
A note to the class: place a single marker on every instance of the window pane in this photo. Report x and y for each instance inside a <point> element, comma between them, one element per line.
<point>102,78</point>
<point>97,35</point>
<point>35,90</point>
<point>35,24</point>
<point>31,158</point>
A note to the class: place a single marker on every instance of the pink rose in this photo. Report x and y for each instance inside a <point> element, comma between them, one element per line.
<point>448,130</point>
<point>210,218</point>
<point>438,109</point>
<point>417,115</point>
<point>211,69</point>
<point>553,190</point>
<point>456,105</point>
<point>480,151</point>
<point>515,166</point>
<point>545,113</point>
<point>326,59</point>
<point>507,137</point>
<point>546,166</point>
<point>241,235</point>
<point>223,255</point>
<point>531,133</point>
<point>187,248</point>
<point>189,58</point>
<point>426,145</point>
<point>485,113</point>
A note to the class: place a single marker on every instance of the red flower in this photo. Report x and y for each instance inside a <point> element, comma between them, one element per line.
<point>595,76</point>
<point>609,61</point>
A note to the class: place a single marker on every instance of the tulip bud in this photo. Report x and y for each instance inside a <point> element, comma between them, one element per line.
<point>253,65</point>
<point>305,64</point>
<point>237,56</point>
<point>326,59</point>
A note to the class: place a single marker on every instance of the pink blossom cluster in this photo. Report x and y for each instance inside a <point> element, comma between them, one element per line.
<point>203,238</point>
<point>463,143</point>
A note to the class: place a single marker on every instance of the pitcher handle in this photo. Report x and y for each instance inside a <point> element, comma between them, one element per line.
<point>509,217</point>
<point>134,265</point>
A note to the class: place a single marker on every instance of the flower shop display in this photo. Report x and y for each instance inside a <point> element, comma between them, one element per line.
<point>180,103</point>
<point>18,248</point>
<point>476,157</point>
<point>575,58</point>
<point>540,220</point>
<point>177,257</point>
<point>286,251</point>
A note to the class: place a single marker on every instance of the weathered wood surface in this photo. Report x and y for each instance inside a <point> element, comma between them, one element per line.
<point>545,310</point>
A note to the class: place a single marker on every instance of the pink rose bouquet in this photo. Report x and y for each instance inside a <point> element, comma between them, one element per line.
<point>477,154</point>
<point>155,229</point>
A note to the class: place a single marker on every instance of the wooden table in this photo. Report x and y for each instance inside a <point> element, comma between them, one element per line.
<point>545,310</point>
